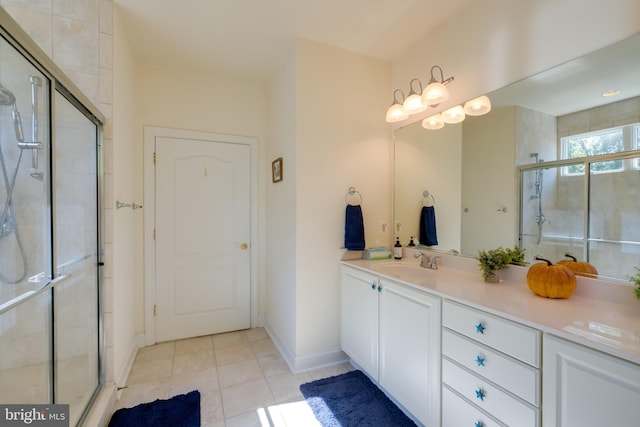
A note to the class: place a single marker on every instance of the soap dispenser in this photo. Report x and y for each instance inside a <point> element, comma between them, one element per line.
<point>397,249</point>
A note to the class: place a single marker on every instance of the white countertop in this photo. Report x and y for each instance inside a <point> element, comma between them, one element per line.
<point>600,314</point>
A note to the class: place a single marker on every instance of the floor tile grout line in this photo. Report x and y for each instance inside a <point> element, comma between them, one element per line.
<point>252,342</point>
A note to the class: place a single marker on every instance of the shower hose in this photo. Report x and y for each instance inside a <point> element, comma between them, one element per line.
<point>8,220</point>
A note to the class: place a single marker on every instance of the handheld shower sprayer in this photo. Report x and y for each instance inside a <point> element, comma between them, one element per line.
<point>36,82</point>
<point>540,218</point>
<point>8,98</point>
<point>8,224</point>
<point>17,124</point>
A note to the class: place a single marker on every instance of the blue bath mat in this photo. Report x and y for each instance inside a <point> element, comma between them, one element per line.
<point>179,411</point>
<point>352,400</point>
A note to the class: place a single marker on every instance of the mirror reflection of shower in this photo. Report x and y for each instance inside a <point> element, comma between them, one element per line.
<point>540,218</point>
<point>8,223</point>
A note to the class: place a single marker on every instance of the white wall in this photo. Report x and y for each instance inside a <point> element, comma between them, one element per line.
<point>280,318</point>
<point>340,140</point>
<point>495,42</point>
<point>431,161</point>
<point>127,224</point>
<point>193,100</point>
<point>488,181</point>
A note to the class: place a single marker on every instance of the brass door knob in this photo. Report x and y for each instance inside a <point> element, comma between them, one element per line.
<point>244,246</point>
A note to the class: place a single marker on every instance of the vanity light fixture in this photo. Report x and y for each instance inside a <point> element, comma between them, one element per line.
<point>613,92</point>
<point>413,104</point>
<point>434,122</point>
<point>477,106</point>
<point>436,91</point>
<point>433,95</point>
<point>396,113</point>
<point>453,115</point>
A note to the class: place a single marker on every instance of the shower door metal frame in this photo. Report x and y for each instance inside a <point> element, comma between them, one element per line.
<point>60,83</point>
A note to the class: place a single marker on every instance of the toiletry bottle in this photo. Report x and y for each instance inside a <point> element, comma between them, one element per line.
<point>411,242</point>
<point>397,249</point>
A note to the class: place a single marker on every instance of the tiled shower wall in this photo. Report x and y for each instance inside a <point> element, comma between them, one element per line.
<point>78,36</point>
<point>615,114</point>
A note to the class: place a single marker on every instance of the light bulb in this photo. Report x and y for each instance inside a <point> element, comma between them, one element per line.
<point>396,113</point>
<point>434,122</point>
<point>413,104</point>
<point>435,93</point>
<point>453,115</point>
<point>478,106</point>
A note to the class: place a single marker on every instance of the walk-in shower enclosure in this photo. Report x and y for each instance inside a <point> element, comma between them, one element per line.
<point>51,347</point>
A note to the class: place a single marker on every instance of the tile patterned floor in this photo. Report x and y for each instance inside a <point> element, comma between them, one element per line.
<point>242,378</point>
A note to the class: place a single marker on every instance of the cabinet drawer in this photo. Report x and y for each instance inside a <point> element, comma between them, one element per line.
<point>493,400</point>
<point>511,374</point>
<point>457,412</point>
<point>509,337</point>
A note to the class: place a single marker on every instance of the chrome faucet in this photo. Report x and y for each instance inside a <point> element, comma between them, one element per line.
<point>428,261</point>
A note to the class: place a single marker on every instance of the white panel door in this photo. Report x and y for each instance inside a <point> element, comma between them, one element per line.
<point>202,237</point>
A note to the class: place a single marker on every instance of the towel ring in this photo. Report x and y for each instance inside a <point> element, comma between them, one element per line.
<point>425,196</point>
<point>353,193</point>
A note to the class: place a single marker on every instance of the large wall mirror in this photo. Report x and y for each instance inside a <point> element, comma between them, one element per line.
<point>554,167</point>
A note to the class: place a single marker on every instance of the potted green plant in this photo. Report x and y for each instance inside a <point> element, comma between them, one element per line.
<point>517,255</point>
<point>635,279</point>
<point>493,260</point>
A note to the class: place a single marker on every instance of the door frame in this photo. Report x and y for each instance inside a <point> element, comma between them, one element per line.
<point>149,200</point>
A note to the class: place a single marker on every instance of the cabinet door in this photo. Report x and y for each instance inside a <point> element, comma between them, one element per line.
<point>583,387</point>
<point>359,318</point>
<point>410,349</point>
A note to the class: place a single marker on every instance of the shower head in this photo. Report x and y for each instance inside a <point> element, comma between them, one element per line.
<point>6,97</point>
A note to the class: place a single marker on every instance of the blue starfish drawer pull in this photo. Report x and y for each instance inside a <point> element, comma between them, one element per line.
<point>373,286</point>
<point>480,360</point>
<point>480,394</point>
<point>479,424</point>
<point>379,288</point>
<point>480,328</point>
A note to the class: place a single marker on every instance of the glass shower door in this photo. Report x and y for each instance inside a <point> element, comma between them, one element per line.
<point>51,341</point>
<point>552,213</point>
<point>76,308</point>
<point>25,232</point>
<point>614,215</point>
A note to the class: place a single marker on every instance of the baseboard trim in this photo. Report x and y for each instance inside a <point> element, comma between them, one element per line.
<point>306,363</point>
<point>319,360</point>
<point>259,321</point>
<point>122,377</point>
<point>102,408</point>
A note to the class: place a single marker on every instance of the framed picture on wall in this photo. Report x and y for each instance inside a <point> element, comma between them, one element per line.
<point>276,170</point>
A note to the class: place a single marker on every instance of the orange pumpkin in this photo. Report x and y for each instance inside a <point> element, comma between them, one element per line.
<point>549,280</point>
<point>580,268</point>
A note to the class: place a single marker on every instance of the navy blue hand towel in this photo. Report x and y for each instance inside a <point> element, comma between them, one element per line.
<point>428,234</point>
<point>354,229</point>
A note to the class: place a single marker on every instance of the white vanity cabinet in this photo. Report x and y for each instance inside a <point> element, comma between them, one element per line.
<point>586,388</point>
<point>392,332</point>
<point>490,369</point>
<point>410,349</point>
<point>359,318</point>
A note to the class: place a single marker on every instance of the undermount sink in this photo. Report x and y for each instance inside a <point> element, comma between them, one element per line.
<point>405,270</point>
